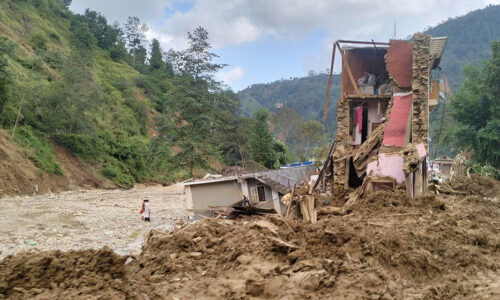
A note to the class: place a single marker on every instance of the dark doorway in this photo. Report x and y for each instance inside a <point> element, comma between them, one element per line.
<point>354,180</point>
<point>364,130</point>
<point>262,193</point>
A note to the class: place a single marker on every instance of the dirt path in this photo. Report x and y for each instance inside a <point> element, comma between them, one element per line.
<point>87,219</point>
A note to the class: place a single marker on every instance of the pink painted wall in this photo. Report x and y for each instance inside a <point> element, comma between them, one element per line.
<point>388,165</point>
<point>421,150</point>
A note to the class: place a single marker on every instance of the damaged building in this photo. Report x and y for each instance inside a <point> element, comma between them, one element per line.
<point>263,189</point>
<point>387,92</point>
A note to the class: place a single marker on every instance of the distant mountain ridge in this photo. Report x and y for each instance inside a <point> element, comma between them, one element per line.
<point>306,95</point>
<point>469,41</point>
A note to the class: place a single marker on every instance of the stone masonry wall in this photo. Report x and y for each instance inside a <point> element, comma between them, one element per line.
<point>420,88</point>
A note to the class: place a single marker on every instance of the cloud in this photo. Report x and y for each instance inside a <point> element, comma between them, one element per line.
<point>237,22</point>
<point>241,21</point>
<point>231,76</point>
<point>118,10</point>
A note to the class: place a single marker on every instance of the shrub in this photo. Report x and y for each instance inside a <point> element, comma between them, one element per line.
<point>81,145</point>
<point>39,41</point>
<point>40,149</point>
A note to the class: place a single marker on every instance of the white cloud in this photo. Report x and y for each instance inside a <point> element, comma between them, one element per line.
<point>239,21</point>
<point>118,10</point>
<point>231,76</point>
<point>233,22</point>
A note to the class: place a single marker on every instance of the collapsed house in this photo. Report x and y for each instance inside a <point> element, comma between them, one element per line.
<point>387,92</point>
<point>263,191</point>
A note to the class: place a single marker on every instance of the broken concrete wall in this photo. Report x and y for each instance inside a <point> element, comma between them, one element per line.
<point>343,147</point>
<point>407,63</point>
<point>399,60</point>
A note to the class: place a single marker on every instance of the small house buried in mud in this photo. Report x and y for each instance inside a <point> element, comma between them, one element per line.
<point>225,194</point>
<point>387,92</point>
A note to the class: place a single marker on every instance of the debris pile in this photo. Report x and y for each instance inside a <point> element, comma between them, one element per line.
<point>65,275</point>
<point>388,246</point>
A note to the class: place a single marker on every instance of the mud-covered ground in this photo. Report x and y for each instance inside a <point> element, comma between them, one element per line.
<point>87,219</point>
<point>388,247</point>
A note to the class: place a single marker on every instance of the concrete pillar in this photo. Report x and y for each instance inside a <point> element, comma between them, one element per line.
<point>189,200</point>
<point>276,201</point>
<point>244,188</point>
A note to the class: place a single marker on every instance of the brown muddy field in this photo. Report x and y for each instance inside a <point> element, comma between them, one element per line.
<point>388,247</point>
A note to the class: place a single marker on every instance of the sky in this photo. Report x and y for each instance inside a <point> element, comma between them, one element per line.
<point>266,40</point>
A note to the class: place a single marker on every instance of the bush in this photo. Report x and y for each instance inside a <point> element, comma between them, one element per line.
<point>117,171</point>
<point>39,41</point>
<point>81,145</point>
<point>40,149</point>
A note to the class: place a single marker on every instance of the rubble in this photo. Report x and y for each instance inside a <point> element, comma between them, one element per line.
<point>386,246</point>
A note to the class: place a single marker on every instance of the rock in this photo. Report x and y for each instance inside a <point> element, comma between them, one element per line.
<point>244,259</point>
<point>129,260</point>
<point>30,242</point>
<point>195,254</point>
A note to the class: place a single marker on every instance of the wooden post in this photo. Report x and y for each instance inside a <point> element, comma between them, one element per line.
<point>327,98</point>
<point>291,201</point>
<point>344,60</point>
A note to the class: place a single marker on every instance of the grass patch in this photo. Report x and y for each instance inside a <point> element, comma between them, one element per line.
<point>40,150</point>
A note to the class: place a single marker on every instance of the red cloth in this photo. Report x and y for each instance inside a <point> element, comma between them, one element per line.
<point>395,130</point>
<point>358,117</point>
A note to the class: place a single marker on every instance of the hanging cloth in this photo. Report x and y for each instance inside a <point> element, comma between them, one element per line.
<point>358,117</point>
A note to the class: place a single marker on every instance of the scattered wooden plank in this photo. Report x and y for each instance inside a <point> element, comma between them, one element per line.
<point>282,243</point>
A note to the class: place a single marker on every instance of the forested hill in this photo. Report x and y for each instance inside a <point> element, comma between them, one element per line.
<point>469,41</point>
<point>305,95</point>
<point>128,111</point>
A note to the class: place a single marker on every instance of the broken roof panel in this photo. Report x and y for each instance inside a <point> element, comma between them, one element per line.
<point>399,61</point>
<point>436,50</point>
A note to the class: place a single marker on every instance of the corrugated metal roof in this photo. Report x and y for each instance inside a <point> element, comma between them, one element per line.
<point>436,50</point>
<point>205,181</point>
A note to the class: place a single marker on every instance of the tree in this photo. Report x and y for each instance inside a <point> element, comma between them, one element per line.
<point>312,132</point>
<point>476,112</point>
<point>199,118</point>
<point>156,60</point>
<point>196,61</point>
<point>135,34</point>
<point>261,140</point>
<point>141,56</point>
<point>186,127</point>
<point>107,36</point>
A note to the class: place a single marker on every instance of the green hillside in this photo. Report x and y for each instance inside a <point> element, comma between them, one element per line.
<point>89,86</point>
<point>469,41</point>
<point>305,95</point>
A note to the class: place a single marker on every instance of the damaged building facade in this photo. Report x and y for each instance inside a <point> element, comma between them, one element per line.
<point>387,92</point>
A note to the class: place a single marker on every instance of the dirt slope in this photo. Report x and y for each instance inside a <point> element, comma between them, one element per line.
<point>19,175</point>
<point>389,247</point>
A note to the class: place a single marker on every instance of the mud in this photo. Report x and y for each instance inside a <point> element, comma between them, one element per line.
<point>388,247</point>
<point>476,185</point>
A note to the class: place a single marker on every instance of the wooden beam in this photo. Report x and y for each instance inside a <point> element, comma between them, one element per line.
<point>325,165</point>
<point>363,42</point>
<point>344,60</point>
<point>327,98</point>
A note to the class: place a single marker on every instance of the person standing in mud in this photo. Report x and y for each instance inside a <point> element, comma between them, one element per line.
<point>146,211</point>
